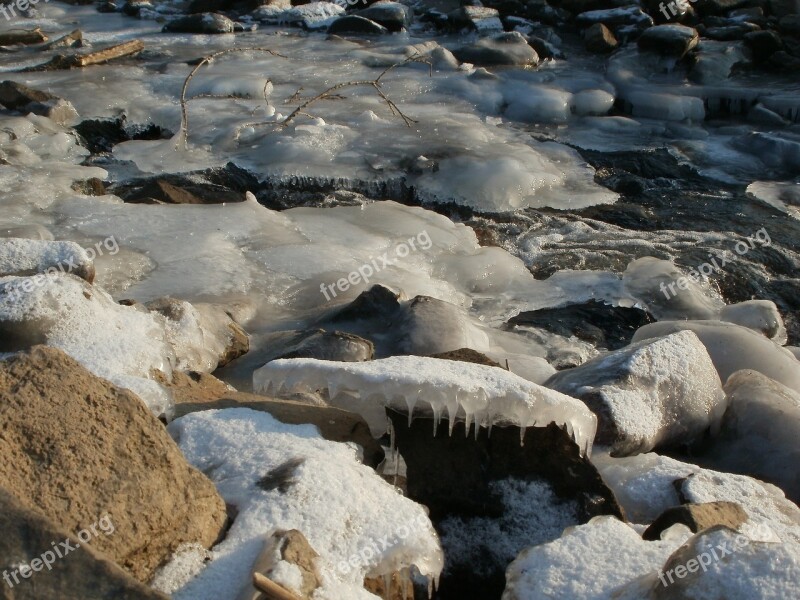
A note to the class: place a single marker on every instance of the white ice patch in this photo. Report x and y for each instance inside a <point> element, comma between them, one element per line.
<point>442,388</point>
<point>371,533</point>
<point>23,257</point>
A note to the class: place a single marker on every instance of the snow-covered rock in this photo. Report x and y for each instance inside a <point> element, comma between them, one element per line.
<point>456,390</point>
<point>758,315</point>
<point>650,394</point>
<point>589,562</point>
<point>734,348</point>
<point>287,477</point>
<point>29,257</point>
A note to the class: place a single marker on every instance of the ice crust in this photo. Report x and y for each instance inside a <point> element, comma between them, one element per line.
<point>454,390</point>
<point>342,507</point>
<point>24,256</point>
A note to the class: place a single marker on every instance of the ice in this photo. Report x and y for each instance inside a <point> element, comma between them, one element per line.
<point>733,348</point>
<point>589,562</point>
<point>371,533</point>
<point>651,393</point>
<point>485,395</point>
<point>783,196</point>
<point>760,431</point>
<point>758,315</point>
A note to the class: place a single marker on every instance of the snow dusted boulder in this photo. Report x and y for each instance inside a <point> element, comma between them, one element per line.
<point>206,23</point>
<point>719,563</point>
<point>458,391</point>
<point>760,431</point>
<point>733,348</point>
<point>392,15</point>
<point>650,394</point>
<point>430,326</point>
<point>21,257</point>
<point>589,562</point>
<point>283,477</point>
<point>314,15</point>
<point>125,344</point>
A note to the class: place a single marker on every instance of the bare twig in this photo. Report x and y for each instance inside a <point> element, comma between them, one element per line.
<point>272,590</point>
<point>183,134</point>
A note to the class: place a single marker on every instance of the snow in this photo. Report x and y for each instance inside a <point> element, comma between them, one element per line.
<point>532,515</point>
<point>453,390</point>
<point>655,392</point>
<point>23,256</point>
<point>589,562</point>
<point>733,348</point>
<point>374,532</point>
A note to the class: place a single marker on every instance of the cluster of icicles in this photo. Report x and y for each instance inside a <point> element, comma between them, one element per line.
<point>474,393</point>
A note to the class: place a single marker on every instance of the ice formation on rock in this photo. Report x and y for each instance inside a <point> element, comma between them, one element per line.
<point>29,257</point>
<point>655,392</point>
<point>358,523</point>
<point>454,390</point>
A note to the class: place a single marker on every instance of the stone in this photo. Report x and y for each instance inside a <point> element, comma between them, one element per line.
<point>648,396</point>
<point>84,574</point>
<point>290,547</point>
<point>353,24</point>
<point>505,49</point>
<point>174,190</point>
<point>627,16</point>
<point>334,424</point>
<point>331,345</point>
<point>467,355</point>
<point>133,8</point>
<point>697,517</point>
<point>545,49</point>
<point>669,40</point>
<point>600,324</point>
<point>477,18</point>
<point>763,44</point>
<point>377,303</point>
<point>16,96</point>
<point>731,32</point>
<point>790,24</point>
<point>392,15</point>
<point>205,23</point>
<point>76,448</point>
<point>598,38</point>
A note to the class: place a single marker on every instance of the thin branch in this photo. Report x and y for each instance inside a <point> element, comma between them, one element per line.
<point>183,133</point>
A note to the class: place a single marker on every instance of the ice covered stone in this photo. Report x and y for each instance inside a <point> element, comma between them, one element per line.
<point>734,348</point>
<point>30,257</point>
<point>649,394</point>
<point>442,388</point>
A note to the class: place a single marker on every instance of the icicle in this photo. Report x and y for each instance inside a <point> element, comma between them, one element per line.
<point>430,587</point>
<point>405,576</point>
<point>467,423</point>
<point>522,432</point>
<point>392,441</point>
<point>411,404</point>
<point>387,586</point>
<point>333,390</point>
<point>437,416</point>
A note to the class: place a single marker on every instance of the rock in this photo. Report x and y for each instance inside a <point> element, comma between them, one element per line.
<point>670,40</point>
<point>731,32</point>
<point>647,396</point>
<point>719,7</point>
<point>331,345</point>
<point>77,448</point>
<point>600,324</point>
<point>101,135</point>
<point>467,355</point>
<point>24,257</point>
<point>761,115</point>
<point>460,478</point>
<point>206,23</point>
<point>763,44</point>
<point>503,49</point>
<point>758,315</point>
<point>478,18</point>
<point>732,574</point>
<point>220,337</point>
<point>176,189</point>
<point>334,424</point>
<point>284,548</point>
<point>377,303</point>
<point>546,50</point>
<point>133,8</point>
<point>627,16</point>
<point>697,517</point>
<point>427,326</point>
<point>194,386</point>
<point>15,96</point>
<point>392,15</point>
<point>353,24</point>
<point>598,38</point>
<point>759,432</point>
<point>83,574</point>
<point>790,24</point>
<point>783,61</point>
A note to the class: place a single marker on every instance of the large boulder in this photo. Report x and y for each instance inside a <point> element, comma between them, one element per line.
<point>392,15</point>
<point>76,448</point>
<point>664,392</point>
<point>75,572</point>
<point>205,23</point>
<point>511,49</point>
<point>670,40</point>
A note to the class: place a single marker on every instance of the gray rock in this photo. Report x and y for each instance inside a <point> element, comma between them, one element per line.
<point>392,15</point>
<point>763,44</point>
<point>697,517</point>
<point>477,18</point>
<point>790,24</point>
<point>615,17</point>
<point>207,23</point>
<point>669,40</point>
<point>510,49</point>
<point>354,24</point>
<point>730,32</point>
<point>598,38</point>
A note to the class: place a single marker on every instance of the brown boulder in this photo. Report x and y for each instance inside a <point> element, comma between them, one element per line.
<point>82,573</point>
<point>697,517</point>
<point>598,38</point>
<point>76,448</point>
